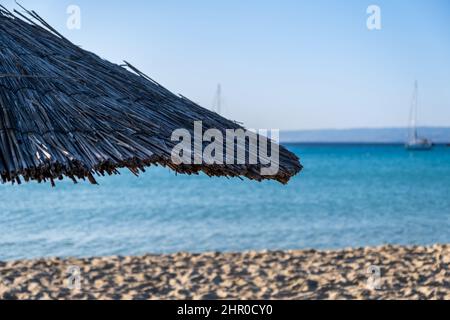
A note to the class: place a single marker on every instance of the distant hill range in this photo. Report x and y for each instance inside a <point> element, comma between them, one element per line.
<point>439,135</point>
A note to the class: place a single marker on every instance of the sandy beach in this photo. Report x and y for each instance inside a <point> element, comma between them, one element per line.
<point>405,273</point>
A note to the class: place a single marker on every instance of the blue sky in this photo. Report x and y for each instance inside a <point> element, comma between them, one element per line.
<point>282,64</point>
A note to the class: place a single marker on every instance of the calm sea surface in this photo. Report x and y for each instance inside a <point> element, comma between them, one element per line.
<point>346,196</point>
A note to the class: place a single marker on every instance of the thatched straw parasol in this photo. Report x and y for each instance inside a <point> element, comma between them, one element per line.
<point>66,112</point>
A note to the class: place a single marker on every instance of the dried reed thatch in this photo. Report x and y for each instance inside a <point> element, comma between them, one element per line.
<point>66,112</point>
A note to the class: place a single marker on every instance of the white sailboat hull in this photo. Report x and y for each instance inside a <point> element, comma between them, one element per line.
<point>421,145</point>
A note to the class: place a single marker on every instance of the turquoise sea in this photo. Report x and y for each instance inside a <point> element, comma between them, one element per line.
<point>347,196</point>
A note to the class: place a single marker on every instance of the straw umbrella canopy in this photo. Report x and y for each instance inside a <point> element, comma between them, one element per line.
<point>65,112</point>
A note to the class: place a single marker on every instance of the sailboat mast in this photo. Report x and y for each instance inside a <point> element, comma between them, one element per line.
<point>219,98</point>
<point>414,111</point>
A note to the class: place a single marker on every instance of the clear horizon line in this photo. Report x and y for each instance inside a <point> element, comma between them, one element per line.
<point>366,128</point>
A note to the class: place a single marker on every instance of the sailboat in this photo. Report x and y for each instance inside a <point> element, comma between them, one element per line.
<point>414,141</point>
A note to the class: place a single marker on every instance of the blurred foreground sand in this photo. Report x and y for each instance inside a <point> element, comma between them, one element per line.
<point>405,273</point>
